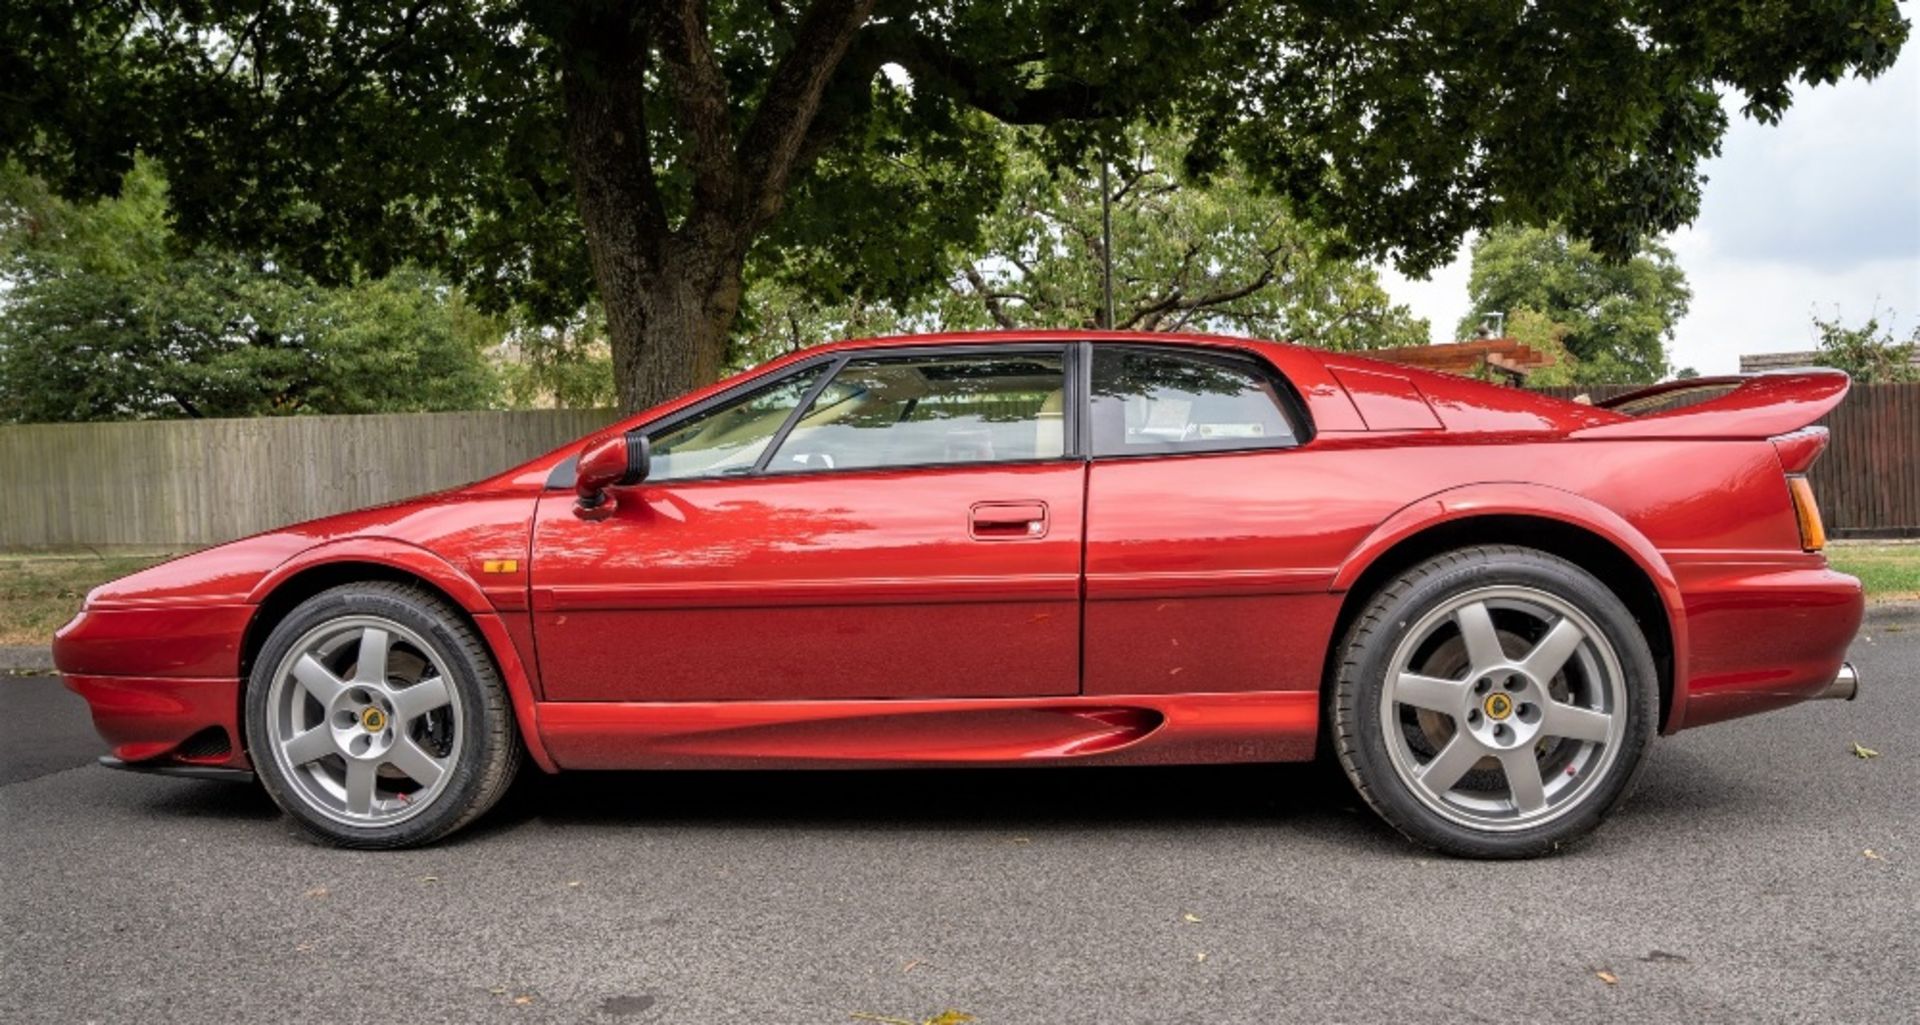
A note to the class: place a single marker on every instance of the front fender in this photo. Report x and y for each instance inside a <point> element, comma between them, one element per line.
<point>420,562</point>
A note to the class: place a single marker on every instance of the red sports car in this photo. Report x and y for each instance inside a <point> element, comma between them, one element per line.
<point>1022,549</point>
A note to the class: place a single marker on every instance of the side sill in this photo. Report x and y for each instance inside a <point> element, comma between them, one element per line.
<point>209,772</point>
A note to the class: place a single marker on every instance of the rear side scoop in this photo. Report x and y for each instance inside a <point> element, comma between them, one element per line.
<point>1759,406</point>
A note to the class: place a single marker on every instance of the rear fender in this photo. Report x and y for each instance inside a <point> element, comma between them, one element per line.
<point>1540,502</point>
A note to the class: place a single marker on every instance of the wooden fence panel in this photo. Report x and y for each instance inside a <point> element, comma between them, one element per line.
<point>182,483</point>
<point>1868,482</point>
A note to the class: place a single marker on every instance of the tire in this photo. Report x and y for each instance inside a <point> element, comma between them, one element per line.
<point>1468,668</point>
<point>375,718</point>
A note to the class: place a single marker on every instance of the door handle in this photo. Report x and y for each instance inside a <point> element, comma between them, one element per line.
<point>1008,521</point>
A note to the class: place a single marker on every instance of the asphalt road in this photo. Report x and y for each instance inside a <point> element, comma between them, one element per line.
<point>1734,887</point>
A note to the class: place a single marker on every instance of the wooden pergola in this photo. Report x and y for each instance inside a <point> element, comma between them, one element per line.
<point>1507,359</point>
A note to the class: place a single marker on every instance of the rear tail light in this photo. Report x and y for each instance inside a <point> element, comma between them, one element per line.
<point>1813,534</point>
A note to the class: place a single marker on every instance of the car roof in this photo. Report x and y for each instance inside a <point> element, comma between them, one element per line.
<point>1016,336</point>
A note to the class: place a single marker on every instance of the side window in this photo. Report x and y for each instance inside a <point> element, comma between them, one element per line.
<point>1148,400</point>
<point>728,440</point>
<point>919,411</point>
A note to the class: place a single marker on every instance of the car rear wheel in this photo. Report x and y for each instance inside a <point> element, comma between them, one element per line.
<point>1494,702</point>
<point>376,718</point>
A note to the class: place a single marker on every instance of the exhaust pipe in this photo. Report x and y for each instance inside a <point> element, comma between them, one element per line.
<point>1845,685</point>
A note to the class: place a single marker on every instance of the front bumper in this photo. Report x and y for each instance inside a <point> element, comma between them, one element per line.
<point>162,681</point>
<point>166,720</point>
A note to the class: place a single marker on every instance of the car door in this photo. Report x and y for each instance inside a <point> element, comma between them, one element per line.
<point>886,524</point>
<point>1202,572</point>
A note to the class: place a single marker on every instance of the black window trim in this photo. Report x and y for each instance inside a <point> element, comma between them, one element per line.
<point>1074,360</point>
<point>1292,406</point>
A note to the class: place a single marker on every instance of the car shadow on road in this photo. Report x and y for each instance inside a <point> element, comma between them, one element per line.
<point>920,798</point>
<point>1313,798</point>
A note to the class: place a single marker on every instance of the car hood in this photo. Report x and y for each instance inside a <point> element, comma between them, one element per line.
<point>444,523</point>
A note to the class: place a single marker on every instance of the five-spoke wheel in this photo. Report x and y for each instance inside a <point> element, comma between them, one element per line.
<point>1494,701</point>
<point>363,721</point>
<point>376,718</point>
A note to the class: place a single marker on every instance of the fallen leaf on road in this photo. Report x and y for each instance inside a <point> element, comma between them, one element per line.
<point>1864,753</point>
<point>429,879</point>
<point>318,891</point>
<point>1872,854</point>
<point>498,991</point>
<point>522,1000</point>
<point>1191,917</point>
<point>573,884</point>
<point>1607,977</point>
<point>947,1017</point>
<point>1200,956</point>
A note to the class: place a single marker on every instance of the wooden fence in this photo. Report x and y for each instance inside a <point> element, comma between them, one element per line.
<point>1868,482</point>
<point>183,483</point>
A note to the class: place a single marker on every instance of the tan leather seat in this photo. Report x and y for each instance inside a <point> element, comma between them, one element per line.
<point>1050,427</point>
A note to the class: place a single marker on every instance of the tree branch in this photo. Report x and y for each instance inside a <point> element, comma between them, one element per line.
<point>700,101</point>
<point>987,296</point>
<point>771,148</point>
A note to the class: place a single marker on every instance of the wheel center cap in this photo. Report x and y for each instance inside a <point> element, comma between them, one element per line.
<point>1497,706</point>
<point>373,720</point>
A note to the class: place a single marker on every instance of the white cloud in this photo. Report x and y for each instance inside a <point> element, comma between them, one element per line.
<point>1818,212</point>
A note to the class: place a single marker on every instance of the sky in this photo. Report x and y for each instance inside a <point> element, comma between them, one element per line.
<point>1818,213</point>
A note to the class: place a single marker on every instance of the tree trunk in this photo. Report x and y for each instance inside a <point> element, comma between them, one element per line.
<point>671,292</point>
<point>668,322</point>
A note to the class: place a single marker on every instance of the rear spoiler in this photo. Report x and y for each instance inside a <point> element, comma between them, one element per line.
<point>1757,406</point>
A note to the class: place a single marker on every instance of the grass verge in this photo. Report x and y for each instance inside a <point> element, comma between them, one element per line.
<point>1889,571</point>
<point>38,593</point>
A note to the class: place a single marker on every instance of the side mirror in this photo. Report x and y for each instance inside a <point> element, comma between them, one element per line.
<point>612,462</point>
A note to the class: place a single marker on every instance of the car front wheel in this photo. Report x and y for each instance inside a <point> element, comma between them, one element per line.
<point>376,718</point>
<point>1494,702</point>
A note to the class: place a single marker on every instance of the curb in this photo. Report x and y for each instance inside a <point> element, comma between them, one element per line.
<point>1893,613</point>
<point>26,659</point>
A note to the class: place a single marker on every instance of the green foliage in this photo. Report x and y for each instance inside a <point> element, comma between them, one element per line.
<point>1545,335</point>
<point>107,317</point>
<point>1868,352</point>
<point>480,137</point>
<point>1215,255</point>
<point>1617,315</point>
<point>568,365</point>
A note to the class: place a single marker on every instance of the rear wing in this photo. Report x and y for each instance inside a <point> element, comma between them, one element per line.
<point>1751,406</point>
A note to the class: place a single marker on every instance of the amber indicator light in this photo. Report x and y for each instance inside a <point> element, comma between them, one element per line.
<point>1813,534</point>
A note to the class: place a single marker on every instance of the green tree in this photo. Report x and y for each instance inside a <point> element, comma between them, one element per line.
<point>1870,353</point>
<point>1617,315</point>
<point>1217,254</point>
<point>567,365</point>
<point>1545,335</point>
<point>105,317</point>
<point>492,138</point>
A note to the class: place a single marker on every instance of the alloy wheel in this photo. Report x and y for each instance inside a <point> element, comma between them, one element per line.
<point>363,721</point>
<point>1503,708</point>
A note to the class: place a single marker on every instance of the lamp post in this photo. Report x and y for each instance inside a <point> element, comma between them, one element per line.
<point>1106,248</point>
